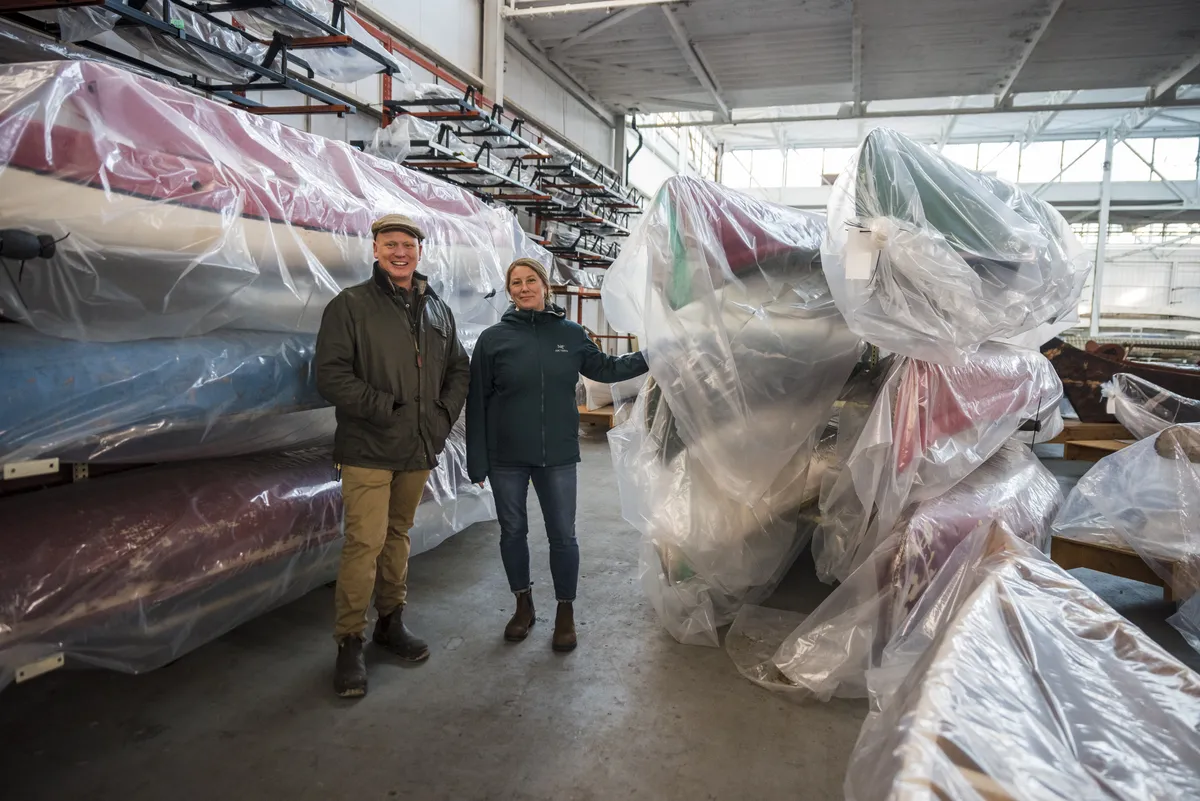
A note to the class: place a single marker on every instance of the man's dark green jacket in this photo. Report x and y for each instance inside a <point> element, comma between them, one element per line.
<point>521,411</point>
<point>397,376</point>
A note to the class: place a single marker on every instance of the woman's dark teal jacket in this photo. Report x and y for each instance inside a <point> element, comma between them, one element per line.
<point>521,409</point>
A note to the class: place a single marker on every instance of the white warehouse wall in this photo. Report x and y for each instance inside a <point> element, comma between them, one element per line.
<point>648,171</point>
<point>1073,193</point>
<point>451,28</point>
<point>547,103</point>
<point>1140,280</point>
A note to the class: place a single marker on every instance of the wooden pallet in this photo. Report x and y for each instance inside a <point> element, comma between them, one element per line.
<point>1090,442</point>
<point>1075,431</point>
<point>1115,560</point>
<point>1092,450</point>
<point>602,416</point>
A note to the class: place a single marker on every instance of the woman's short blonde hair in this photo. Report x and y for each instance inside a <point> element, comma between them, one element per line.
<point>534,265</point>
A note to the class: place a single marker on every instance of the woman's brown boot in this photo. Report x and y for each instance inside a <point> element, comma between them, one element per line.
<point>522,620</point>
<point>564,627</point>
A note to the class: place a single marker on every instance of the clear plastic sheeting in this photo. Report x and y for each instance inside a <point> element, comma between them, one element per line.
<point>340,64</point>
<point>1145,408</point>
<point>223,394</point>
<point>1011,680</point>
<point>746,347</point>
<point>182,216</point>
<point>79,24</point>
<point>598,395</point>
<point>706,552</point>
<point>928,259</point>
<point>1186,621</point>
<point>830,653</point>
<point>429,91</point>
<point>913,430</point>
<point>131,571</point>
<point>451,502</point>
<point>564,274</point>
<point>1146,498</point>
<point>747,355</point>
<point>394,142</point>
<point>169,50</point>
<point>178,53</point>
<point>752,641</point>
<point>19,44</point>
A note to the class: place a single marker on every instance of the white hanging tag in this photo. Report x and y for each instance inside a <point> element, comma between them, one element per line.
<point>1111,406</point>
<point>860,254</point>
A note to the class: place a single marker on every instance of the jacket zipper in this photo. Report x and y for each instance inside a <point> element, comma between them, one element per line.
<point>419,302</point>
<point>542,373</point>
<point>425,443</point>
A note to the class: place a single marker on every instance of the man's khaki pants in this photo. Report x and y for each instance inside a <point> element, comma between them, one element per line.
<point>379,507</point>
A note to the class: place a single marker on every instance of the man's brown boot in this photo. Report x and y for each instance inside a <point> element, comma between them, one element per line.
<point>392,634</point>
<point>522,620</point>
<point>350,673</point>
<point>564,627</point>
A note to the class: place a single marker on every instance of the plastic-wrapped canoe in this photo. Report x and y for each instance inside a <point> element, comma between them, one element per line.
<point>131,571</point>
<point>182,215</point>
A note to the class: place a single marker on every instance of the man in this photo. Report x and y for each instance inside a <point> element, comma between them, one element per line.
<point>389,360</point>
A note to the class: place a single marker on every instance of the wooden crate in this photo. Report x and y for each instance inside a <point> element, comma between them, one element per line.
<point>1115,560</point>
<point>602,416</point>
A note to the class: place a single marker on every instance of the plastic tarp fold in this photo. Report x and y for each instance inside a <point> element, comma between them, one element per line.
<point>705,553</point>
<point>183,216</point>
<point>913,430</point>
<point>929,259</point>
<point>1011,680</point>
<point>1145,408</point>
<point>394,142</point>
<point>747,355</point>
<point>131,571</point>
<point>338,64</point>
<point>598,395</point>
<point>169,50</point>
<point>1146,497</point>
<point>830,653</point>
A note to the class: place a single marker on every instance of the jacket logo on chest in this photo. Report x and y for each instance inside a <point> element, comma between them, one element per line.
<point>560,349</point>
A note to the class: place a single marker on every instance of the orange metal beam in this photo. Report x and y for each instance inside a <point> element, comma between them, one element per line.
<point>318,41</point>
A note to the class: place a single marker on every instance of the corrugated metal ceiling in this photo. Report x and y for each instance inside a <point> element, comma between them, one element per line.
<point>788,52</point>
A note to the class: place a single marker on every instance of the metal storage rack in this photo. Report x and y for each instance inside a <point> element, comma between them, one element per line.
<point>266,77</point>
<point>577,210</point>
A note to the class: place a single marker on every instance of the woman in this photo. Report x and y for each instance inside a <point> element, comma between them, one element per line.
<point>523,425</point>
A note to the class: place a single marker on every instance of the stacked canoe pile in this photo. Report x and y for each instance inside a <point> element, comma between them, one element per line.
<point>171,335</point>
<point>870,383</point>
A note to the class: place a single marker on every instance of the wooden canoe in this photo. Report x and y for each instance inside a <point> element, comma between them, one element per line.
<point>1083,373</point>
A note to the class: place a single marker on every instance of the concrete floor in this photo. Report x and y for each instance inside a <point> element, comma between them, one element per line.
<point>630,714</point>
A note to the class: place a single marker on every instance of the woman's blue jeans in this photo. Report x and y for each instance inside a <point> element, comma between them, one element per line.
<point>556,491</point>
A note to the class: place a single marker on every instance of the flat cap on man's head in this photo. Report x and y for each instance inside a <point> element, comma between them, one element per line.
<point>396,222</point>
